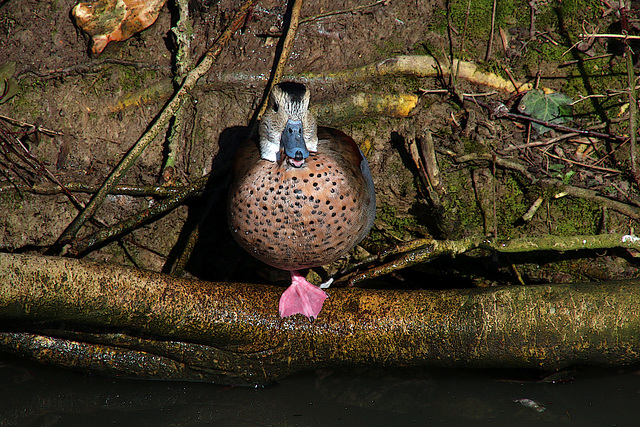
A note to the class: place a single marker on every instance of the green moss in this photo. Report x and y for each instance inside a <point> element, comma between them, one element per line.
<point>566,18</point>
<point>28,98</point>
<point>478,20</point>
<point>11,200</point>
<point>421,48</point>
<point>468,212</point>
<point>473,146</point>
<point>512,204</point>
<point>397,226</point>
<point>389,47</point>
<point>407,84</point>
<point>573,216</point>
<point>360,125</point>
<point>132,79</point>
<point>597,77</point>
<point>573,14</point>
<point>495,67</point>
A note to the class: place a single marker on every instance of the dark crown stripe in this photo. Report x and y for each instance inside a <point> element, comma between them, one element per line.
<point>295,90</point>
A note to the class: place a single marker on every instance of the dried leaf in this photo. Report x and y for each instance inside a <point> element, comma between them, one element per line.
<point>115,20</point>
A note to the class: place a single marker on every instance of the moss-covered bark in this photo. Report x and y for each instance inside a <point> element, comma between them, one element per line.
<point>154,326</point>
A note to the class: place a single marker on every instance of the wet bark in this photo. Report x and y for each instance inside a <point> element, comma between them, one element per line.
<point>120,321</point>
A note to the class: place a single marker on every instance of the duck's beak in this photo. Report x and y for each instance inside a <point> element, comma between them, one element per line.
<point>292,142</point>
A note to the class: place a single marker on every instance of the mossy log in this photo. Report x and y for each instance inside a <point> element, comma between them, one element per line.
<point>122,321</point>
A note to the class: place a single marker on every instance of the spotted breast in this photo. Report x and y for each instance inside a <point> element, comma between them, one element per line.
<point>301,196</point>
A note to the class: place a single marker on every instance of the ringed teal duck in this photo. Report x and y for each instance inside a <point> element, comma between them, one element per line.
<point>301,196</point>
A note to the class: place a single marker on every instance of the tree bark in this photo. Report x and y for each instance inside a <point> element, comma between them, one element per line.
<point>122,321</point>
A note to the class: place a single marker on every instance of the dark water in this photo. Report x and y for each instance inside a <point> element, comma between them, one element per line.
<point>36,396</point>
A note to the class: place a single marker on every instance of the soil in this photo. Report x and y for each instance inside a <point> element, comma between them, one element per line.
<point>99,107</point>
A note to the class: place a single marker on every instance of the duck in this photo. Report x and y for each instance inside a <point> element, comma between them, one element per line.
<point>301,195</point>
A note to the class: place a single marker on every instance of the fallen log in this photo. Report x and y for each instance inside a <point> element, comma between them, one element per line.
<point>122,321</point>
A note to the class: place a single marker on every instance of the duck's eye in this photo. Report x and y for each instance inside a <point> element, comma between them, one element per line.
<point>275,107</point>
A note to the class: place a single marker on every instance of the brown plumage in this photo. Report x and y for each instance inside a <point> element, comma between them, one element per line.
<point>293,212</point>
<point>293,218</point>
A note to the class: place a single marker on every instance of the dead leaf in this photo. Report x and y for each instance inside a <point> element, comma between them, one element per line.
<point>115,20</point>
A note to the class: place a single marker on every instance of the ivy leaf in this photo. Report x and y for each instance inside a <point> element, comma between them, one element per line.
<point>550,107</point>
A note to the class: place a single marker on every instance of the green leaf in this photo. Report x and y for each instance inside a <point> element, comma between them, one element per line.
<point>552,107</point>
<point>567,176</point>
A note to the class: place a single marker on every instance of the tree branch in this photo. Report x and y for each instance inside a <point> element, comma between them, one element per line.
<point>231,333</point>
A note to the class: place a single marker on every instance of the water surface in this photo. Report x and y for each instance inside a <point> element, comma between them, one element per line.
<point>37,396</point>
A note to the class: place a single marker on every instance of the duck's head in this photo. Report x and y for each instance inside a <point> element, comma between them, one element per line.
<point>288,129</point>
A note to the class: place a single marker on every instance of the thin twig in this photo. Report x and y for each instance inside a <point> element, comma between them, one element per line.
<point>164,117</point>
<point>604,158</point>
<point>499,161</point>
<point>340,12</point>
<point>632,212</point>
<point>625,209</point>
<point>513,81</point>
<point>440,91</point>
<point>19,149</point>
<point>80,187</point>
<point>532,19</point>
<point>81,246</point>
<point>595,95</point>
<point>584,165</point>
<point>487,57</point>
<point>92,67</point>
<point>494,188</point>
<point>285,51</point>
<point>11,144</point>
<point>591,58</point>
<point>633,106</point>
<point>539,143</point>
<point>454,73</point>
<point>464,32</point>
<point>610,36</point>
<point>548,38</point>
<point>428,249</point>
<point>38,128</point>
<point>183,58</point>
<point>500,110</point>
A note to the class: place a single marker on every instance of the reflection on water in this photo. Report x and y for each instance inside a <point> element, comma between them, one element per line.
<point>36,396</point>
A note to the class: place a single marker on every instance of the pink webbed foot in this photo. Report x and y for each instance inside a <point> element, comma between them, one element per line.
<point>301,297</point>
